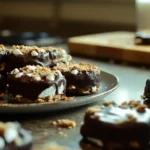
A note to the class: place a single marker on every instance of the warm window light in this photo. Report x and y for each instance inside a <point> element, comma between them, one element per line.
<point>143,1</point>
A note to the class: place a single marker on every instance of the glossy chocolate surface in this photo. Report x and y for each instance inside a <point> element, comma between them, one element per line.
<point>29,88</point>
<point>82,80</point>
<point>113,124</point>
<point>147,90</point>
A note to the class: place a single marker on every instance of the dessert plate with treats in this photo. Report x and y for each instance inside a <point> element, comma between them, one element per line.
<point>36,82</point>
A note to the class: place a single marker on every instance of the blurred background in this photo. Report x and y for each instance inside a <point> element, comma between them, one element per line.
<point>65,18</point>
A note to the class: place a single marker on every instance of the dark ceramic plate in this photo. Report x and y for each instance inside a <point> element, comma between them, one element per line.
<point>109,83</point>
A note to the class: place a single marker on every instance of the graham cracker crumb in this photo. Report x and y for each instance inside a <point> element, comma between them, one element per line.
<point>80,67</point>
<point>131,118</point>
<point>64,123</point>
<point>134,103</point>
<point>124,104</point>
<point>141,108</point>
<point>108,103</point>
<point>94,109</point>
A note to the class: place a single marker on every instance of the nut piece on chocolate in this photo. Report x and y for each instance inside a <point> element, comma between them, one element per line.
<point>20,56</point>
<point>13,137</point>
<point>35,83</point>
<point>142,38</point>
<point>82,78</point>
<point>114,127</point>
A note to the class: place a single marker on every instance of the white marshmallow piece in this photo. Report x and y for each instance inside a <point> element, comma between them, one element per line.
<point>75,71</point>
<point>34,53</point>
<point>10,135</point>
<point>15,71</point>
<point>38,78</point>
<point>50,77</point>
<point>59,73</point>
<point>51,91</point>
<point>2,143</point>
<point>17,52</point>
<point>94,89</point>
<point>61,88</point>
<point>19,75</point>
<point>32,67</point>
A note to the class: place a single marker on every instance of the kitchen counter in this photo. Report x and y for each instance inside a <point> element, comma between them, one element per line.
<point>132,82</point>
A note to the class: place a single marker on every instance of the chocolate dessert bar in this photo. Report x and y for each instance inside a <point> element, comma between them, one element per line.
<point>13,137</point>
<point>20,56</point>
<point>142,38</point>
<point>114,127</point>
<point>82,78</point>
<point>35,83</point>
<point>3,78</point>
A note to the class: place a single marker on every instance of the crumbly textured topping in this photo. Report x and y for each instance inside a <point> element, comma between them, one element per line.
<point>34,50</point>
<point>141,108</point>
<point>2,47</point>
<point>37,73</point>
<point>49,99</point>
<point>108,103</point>
<point>62,61</point>
<point>64,123</point>
<point>94,109</point>
<point>131,104</point>
<point>131,118</point>
<point>76,68</point>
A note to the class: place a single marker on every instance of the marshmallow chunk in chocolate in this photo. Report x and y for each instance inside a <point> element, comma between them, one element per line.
<point>114,127</point>
<point>82,78</point>
<point>20,56</point>
<point>35,82</point>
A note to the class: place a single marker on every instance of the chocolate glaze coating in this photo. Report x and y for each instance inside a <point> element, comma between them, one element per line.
<point>10,136</point>
<point>82,80</point>
<point>147,90</point>
<point>3,74</point>
<point>142,38</point>
<point>29,88</point>
<point>43,59</point>
<point>113,125</point>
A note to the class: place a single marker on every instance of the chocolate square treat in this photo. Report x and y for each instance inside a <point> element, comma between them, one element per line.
<point>82,78</point>
<point>114,127</point>
<point>13,137</point>
<point>20,56</point>
<point>35,84</point>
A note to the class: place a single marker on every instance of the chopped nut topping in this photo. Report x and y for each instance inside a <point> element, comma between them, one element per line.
<point>141,108</point>
<point>108,103</point>
<point>37,72</point>
<point>131,118</point>
<point>77,67</point>
<point>64,123</point>
<point>124,104</point>
<point>94,109</point>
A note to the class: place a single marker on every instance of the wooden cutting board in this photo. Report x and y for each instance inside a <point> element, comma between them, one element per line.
<point>112,45</point>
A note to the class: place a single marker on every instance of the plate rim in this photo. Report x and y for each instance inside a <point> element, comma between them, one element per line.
<point>46,104</point>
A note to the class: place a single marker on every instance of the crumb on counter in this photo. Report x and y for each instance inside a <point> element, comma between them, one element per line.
<point>64,123</point>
